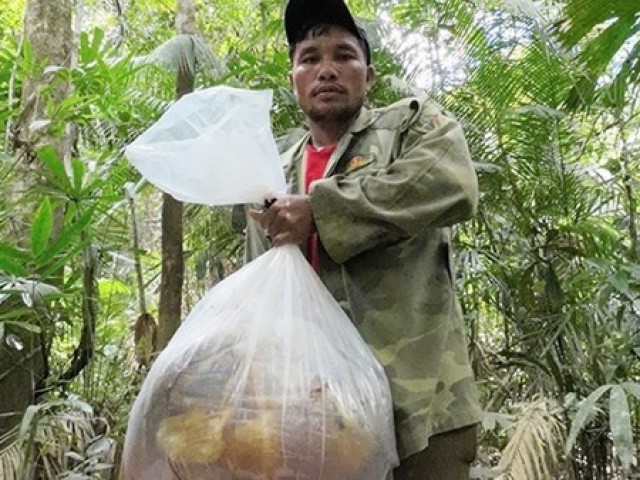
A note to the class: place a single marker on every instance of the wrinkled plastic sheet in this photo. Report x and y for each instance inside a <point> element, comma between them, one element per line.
<point>212,147</point>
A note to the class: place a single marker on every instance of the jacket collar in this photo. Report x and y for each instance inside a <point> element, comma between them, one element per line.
<point>292,157</point>
<point>294,153</point>
<point>364,119</point>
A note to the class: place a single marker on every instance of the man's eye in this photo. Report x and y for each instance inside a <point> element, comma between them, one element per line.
<point>308,59</point>
<point>346,56</point>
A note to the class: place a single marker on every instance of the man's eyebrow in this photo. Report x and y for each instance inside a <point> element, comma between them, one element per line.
<point>308,49</point>
<point>346,46</point>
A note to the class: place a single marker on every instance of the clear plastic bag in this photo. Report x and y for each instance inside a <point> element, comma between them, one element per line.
<point>213,147</point>
<point>266,379</point>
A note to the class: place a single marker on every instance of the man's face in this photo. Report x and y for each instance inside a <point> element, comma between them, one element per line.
<point>330,76</point>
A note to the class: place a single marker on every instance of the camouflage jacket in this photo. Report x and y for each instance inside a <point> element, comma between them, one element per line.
<point>395,183</point>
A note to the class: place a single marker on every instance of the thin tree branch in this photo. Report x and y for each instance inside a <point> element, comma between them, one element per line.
<point>85,349</point>
<point>136,255</point>
<point>122,22</point>
<point>10,98</point>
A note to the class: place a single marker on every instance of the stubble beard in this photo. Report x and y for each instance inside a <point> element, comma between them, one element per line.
<point>338,114</point>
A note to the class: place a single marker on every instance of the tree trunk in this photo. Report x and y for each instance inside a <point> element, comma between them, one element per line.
<point>170,309</point>
<point>48,30</point>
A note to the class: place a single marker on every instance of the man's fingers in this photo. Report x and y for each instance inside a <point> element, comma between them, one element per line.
<point>282,239</point>
<point>256,214</point>
<point>287,220</point>
<point>263,217</point>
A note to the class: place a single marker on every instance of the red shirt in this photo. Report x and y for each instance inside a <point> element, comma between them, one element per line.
<point>316,160</point>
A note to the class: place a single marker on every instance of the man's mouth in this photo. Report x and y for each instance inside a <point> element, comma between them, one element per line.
<point>327,90</point>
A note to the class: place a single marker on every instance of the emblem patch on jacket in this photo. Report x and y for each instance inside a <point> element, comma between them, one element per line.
<point>357,162</point>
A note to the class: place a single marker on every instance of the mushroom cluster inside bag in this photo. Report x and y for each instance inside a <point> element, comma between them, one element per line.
<point>266,379</point>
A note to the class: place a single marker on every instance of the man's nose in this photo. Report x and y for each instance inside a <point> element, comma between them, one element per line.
<point>327,70</point>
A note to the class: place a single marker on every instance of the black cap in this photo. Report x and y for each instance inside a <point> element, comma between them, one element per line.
<point>300,14</point>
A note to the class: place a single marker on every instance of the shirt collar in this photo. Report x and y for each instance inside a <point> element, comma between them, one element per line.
<point>364,119</point>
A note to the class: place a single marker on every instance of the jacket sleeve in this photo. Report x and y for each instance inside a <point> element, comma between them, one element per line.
<point>431,183</point>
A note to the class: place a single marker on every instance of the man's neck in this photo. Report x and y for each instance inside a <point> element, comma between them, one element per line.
<point>324,134</point>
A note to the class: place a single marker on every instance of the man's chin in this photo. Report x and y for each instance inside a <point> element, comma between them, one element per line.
<point>332,114</point>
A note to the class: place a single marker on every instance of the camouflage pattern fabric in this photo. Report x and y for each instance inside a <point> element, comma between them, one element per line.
<point>395,183</point>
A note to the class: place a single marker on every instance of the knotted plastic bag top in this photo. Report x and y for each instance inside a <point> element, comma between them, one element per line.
<point>213,147</point>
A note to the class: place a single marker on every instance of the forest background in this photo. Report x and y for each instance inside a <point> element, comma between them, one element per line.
<point>97,268</point>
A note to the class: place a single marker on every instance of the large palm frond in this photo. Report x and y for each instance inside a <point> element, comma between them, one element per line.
<point>55,439</point>
<point>532,451</point>
<point>184,52</point>
<point>606,37</point>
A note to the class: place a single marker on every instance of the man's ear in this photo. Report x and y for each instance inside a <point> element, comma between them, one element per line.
<point>370,74</point>
<point>293,87</point>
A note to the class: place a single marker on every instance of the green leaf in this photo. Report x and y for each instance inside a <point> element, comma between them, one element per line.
<point>29,327</point>
<point>41,229</point>
<point>29,421</point>
<point>18,312</point>
<point>633,388</point>
<point>620,281</point>
<point>78,173</point>
<point>587,407</point>
<point>608,27</point>
<point>109,287</point>
<point>272,69</point>
<point>12,260</point>
<point>54,166</point>
<point>66,238</point>
<point>27,55</point>
<point>247,57</point>
<point>55,266</point>
<point>66,107</point>
<point>85,52</point>
<point>620,421</point>
<point>98,36</point>
<point>80,405</point>
<point>90,45</point>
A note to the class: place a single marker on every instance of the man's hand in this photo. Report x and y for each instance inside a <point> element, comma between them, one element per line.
<point>287,220</point>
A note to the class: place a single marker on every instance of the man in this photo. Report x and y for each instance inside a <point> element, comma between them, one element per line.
<point>373,196</point>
